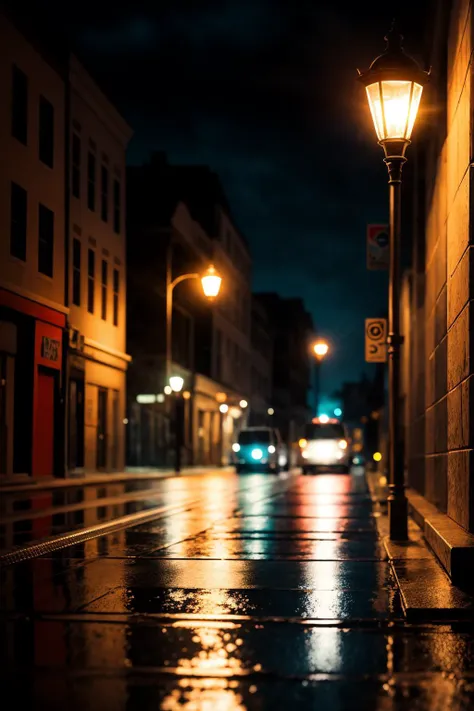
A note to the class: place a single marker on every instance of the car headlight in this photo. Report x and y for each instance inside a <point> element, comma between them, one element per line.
<point>257,453</point>
<point>236,447</point>
<point>342,443</point>
<point>271,449</point>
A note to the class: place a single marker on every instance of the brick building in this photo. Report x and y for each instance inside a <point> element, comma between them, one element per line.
<point>437,299</point>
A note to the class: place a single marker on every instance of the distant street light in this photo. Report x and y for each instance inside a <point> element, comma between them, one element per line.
<point>394,84</point>
<point>243,404</point>
<point>176,383</point>
<point>320,350</point>
<point>271,411</point>
<point>224,408</point>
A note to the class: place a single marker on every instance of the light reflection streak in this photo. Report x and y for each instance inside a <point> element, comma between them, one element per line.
<point>214,655</point>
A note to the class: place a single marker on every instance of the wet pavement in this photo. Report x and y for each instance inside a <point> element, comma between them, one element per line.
<point>259,592</point>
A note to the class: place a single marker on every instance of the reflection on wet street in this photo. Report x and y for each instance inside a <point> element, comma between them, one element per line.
<point>252,592</point>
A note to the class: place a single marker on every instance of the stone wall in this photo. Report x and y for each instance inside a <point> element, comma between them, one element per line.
<point>442,310</point>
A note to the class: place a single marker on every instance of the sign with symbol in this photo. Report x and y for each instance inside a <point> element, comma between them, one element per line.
<point>50,349</point>
<point>378,247</point>
<point>376,340</point>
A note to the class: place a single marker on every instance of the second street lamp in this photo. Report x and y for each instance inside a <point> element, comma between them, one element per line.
<point>211,284</point>
<point>320,350</point>
<point>394,85</point>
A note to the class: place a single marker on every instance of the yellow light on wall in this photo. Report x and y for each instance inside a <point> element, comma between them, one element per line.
<point>377,457</point>
<point>186,395</point>
<point>211,282</point>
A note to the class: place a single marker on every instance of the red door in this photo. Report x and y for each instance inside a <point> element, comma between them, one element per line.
<point>44,450</point>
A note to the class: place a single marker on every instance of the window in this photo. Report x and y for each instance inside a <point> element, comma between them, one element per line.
<point>104,189</point>
<point>104,290</point>
<point>116,295</point>
<point>19,105</point>
<point>90,280</point>
<point>76,165</point>
<point>91,181</point>
<point>116,206</point>
<point>45,240</point>
<point>46,132</point>
<point>18,206</point>
<point>76,272</point>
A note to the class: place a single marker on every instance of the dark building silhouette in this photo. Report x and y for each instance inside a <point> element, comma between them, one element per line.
<point>292,328</point>
<point>181,213</point>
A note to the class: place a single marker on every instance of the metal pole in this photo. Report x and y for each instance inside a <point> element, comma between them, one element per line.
<point>317,367</point>
<point>169,311</point>
<point>178,432</point>
<point>397,501</point>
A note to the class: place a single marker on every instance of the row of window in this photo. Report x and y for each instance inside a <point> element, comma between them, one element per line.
<point>76,173</point>
<point>19,118</point>
<point>19,229</point>
<point>18,249</point>
<point>91,277</point>
<point>19,130</point>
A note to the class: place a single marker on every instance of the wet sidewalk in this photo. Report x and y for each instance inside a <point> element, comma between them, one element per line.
<point>267,592</point>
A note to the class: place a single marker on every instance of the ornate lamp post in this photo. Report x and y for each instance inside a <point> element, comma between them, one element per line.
<point>394,84</point>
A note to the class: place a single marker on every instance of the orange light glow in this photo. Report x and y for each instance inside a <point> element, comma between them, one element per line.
<point>303,443</point>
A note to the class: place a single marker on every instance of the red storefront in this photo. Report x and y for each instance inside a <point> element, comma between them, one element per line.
<point>35,420</point>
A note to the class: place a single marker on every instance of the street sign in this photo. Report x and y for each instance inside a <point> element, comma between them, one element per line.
<point>375,340</point>
<point>378,247</point>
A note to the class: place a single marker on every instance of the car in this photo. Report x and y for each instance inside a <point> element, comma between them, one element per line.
<point>260,448</point>
<point>325,445</point>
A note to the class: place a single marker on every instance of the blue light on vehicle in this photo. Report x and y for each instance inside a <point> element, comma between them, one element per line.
<point>338,412</point>
<point>257,453</point>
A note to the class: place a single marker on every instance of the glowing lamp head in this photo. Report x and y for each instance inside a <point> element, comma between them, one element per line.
<point>394,85</point>
<point>320,349</point>
<point>303,443</point>
<point>224,408</point>
<point>243,404</point>
<point>211,282</point>
<point>176,383</point>
<point>236,447</point>
<point>377,457</point>
<point>257,453</point>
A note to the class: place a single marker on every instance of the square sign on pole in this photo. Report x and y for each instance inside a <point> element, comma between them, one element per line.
<point>378,247</point>
<point>376,340</point>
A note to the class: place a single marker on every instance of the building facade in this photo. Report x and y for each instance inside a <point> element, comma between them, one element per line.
<point>96,285</point>
<point>188,227</point>
<point>439,289</point>
<point>262,365</point>
<point>293,331</point>
<point>62,262</point>
<point>33,314</point>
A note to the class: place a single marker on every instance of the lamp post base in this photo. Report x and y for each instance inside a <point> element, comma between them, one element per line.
<point>398,516</point>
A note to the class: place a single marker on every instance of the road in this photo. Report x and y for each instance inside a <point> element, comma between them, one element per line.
<point>259,592</point>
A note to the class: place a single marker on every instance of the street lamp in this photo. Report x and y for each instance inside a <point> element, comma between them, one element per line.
<point>320,350</point>
<point>176,383</point>
<point>211,284</point>
<point>394,84</point>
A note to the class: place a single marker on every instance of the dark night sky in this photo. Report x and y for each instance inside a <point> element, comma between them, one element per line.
<point>265,92</point>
